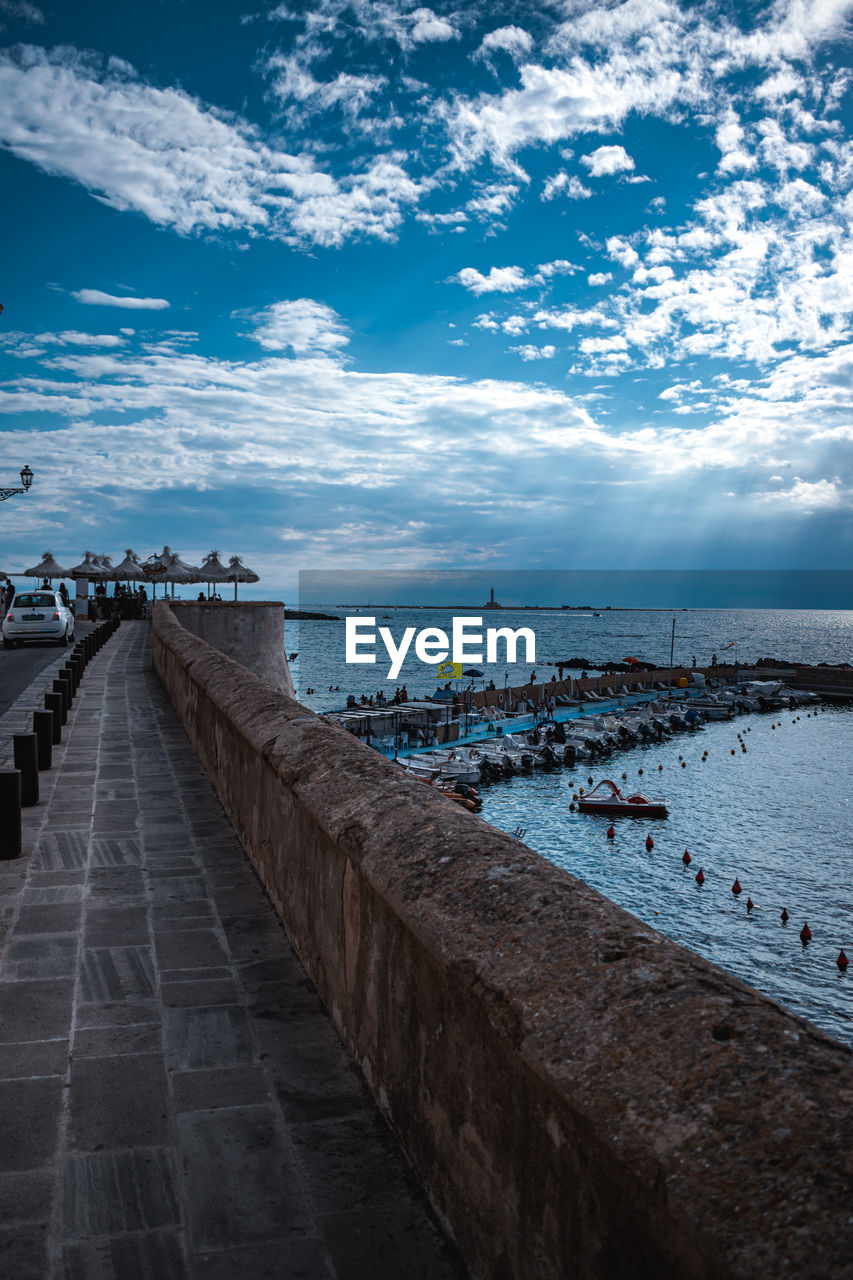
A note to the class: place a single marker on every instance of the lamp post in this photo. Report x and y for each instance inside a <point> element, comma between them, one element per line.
<point>26,481</point>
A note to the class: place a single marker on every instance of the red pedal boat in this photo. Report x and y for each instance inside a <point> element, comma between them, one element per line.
<point>607,798</point>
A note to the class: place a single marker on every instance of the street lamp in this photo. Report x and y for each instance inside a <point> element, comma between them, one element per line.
<point>26,481</point>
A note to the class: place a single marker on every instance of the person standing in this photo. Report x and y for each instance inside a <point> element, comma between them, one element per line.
<point>9,597</point>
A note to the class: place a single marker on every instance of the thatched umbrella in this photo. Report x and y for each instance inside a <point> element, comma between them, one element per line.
<point>213,570</point>
<point>177,570</point>
<point>87,568</point>
<point>48,568</point>
<point>237,572</point>
<point>130,569</point>
<point>105,564</point>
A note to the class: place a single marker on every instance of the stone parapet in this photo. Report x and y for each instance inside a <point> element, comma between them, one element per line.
<point>250,631</point>
<point>579,1095</point>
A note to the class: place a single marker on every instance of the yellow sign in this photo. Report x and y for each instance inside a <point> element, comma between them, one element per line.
<point>450,671</point>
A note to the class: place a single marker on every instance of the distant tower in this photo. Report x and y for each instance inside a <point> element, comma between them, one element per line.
<point>492,602</point>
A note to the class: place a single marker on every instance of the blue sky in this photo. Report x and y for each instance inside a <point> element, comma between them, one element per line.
<point>381,285</point>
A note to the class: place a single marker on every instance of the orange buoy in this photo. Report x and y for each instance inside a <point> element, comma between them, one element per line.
<point>733,750</point>
<point>639,771</point>
<point>805,934</point>
<point>650,844</point>
<point>749,905</point>
<point>842,960</point>
<point>700,876</point>
<point>684,764</point>
<point>611,831</point>
<point>736,889</point>
<point>784,916</point>
<point>686,859</point>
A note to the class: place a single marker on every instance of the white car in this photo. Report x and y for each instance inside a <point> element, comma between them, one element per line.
<point>37,615</point>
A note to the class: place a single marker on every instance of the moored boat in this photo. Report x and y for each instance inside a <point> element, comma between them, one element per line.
<point>608,799</point>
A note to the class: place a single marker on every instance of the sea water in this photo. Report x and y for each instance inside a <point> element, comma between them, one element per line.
<point>777,816</point>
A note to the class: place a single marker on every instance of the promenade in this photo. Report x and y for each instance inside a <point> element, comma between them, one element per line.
<point>174,1102</point>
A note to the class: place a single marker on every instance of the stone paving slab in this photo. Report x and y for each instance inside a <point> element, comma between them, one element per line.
<point>174,1102</point>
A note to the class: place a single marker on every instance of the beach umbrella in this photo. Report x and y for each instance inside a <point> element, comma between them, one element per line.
<point>105,564</point>
<point>177,570</point>
<point>47,568</point>
<point>130,570</point>
<point>87,568</point>
<point>473,673</point>
<point>634,661</point>
<point>213,570</point>
<point>237,572</point>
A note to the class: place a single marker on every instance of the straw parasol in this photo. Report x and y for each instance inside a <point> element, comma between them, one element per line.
<point>130,569</point>
<point>177,570</point>
<point>105,564</point>
<point>87,568</point>
<point>237,572</point>
<point>213,570</point>
<point>48,568</point>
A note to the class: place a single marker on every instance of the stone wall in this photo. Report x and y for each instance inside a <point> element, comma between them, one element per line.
<point>580,1096</point>
<point>250,631</point>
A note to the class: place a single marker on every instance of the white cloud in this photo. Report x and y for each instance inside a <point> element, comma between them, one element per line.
<point>563,184</point>
<point>161,153</point>
<point>808,496</point>
<point>293,82</point>
<point>428,27</point>
<point>22,9</point>
<point>95,298</point>
<point>528,352</point>
<point>607,160</point>
<point>499,280</point>
<point>494,200</point>
<point>559,267</point>
<point>623,252</point>
<point>512,40</point>
<point>302,325</point>
<point>599,277</point>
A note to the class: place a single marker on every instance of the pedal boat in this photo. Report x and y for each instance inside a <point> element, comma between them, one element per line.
<point>606,798</point>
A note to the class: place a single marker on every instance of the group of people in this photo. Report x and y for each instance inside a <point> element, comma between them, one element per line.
<point>401,694</point>
<point>122,591</point>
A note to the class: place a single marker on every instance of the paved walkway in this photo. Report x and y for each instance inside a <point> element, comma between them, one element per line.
<point>174,1102</point>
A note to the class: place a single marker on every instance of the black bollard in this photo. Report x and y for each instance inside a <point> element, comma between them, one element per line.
<point>66,676</point>
<point>67,672</point>
<point>43,729</point>
<point>53,703</point>
<point>61,687</point>
<point>10,807</point>
<point>25,750</point>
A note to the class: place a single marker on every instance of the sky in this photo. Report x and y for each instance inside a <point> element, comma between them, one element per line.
<point>362,284</point>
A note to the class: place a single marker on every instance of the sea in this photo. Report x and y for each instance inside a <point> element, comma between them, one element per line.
<point>764,799</point>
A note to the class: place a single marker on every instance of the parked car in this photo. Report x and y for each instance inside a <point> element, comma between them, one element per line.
<point>37,615</point>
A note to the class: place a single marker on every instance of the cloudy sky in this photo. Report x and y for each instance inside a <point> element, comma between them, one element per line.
<point>361,283</point>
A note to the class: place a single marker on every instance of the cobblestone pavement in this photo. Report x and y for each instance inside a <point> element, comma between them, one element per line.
<point>174,1101</point>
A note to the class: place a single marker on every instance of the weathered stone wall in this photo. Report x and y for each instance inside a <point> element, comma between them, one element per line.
<point>580,1096</point>
<point>250,631</point>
